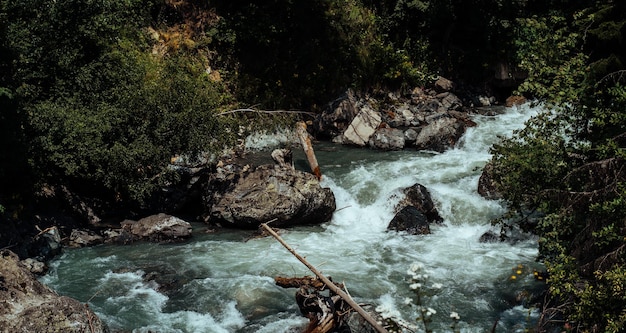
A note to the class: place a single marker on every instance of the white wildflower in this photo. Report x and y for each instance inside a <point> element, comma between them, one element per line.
<point>437,285</point>
<point>430,312</point>
<point>455,315</point>
<point>408,300</point>
<point>415,286</point>
<point>415,267</point>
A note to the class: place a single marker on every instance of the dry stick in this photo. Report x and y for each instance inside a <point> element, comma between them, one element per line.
<point>329,283</point>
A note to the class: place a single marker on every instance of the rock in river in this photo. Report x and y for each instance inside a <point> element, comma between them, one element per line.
<point>265,193</point>
<point>26,305</point>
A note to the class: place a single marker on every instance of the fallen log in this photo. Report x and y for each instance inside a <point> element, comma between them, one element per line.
<point>343,295</point>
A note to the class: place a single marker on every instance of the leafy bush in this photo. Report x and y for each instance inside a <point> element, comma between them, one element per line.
<point>99,107</point>
<point>568,163</point>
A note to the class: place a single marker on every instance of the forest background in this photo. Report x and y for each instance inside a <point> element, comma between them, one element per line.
<point>97,96</point>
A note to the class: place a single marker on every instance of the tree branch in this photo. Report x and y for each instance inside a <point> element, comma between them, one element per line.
<point>328,283</point>
<point>265,111</point>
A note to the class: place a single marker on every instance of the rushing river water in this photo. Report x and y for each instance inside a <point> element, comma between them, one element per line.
<point>223,282</point>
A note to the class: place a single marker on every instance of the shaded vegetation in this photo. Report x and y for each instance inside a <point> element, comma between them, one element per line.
<point>99,95</point>
<point>568,163</point>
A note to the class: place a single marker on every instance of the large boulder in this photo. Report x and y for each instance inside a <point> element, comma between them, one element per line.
<point>442,132</point>
<point>26,305</point>
<point>415,211</point>
<point>362,127</point>
<point>418,196</point>
<point>268,193</point>
<point>336,118</point>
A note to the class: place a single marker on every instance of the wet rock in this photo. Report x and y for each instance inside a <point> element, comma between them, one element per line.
<point>416,211</point>
<point>358,324</point>
<point>515,100</point>
<point>46,245</point>
<point>489,237</point>
<point>451,102</point>
<point>160,228</point>
<point>410,135</point>
<point>411,220</point>
<point>419,197</point>
<point>265,193</point>
<point>26,305</point>
<point>283,157</point>
<point>118,236</point>
<point>387,139</point>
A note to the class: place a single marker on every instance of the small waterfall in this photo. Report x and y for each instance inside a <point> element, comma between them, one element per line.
<point>223,283</point>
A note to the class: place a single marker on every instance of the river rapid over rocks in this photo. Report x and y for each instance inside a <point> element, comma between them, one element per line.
<point>224,281</point>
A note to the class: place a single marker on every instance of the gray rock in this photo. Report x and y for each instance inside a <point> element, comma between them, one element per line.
<point>440,133</point>
<point>336,118</point>
<point>362,127</point>
<point>269,192</point>
<point>442,84</point>
<point>80,238</point>
<point>35,266</point>
<point>160,228</point>
<point>26,305</point>
<point>410,135</point>
<point>387,139</point>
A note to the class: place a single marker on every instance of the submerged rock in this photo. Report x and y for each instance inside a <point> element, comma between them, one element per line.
<point>265,193</point>
<point>26,305</point>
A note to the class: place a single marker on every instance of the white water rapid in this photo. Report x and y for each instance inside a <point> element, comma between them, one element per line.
<point>222,283</point>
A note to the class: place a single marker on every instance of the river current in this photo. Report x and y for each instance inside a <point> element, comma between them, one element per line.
<point>224,281</point>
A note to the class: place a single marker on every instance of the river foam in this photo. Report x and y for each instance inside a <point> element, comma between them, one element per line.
<point>224,282</point>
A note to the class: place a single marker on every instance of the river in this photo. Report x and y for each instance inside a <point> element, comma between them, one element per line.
<point>223,281</point>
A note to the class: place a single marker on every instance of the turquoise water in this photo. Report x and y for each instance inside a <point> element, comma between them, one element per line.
<point>223,282</point>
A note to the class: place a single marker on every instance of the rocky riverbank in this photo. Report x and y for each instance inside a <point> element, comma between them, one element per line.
<point>236,194</point>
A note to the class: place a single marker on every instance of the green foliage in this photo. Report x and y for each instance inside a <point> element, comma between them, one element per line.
<point>98,107</point>
<point>567,161</point>
<point>549,51</point>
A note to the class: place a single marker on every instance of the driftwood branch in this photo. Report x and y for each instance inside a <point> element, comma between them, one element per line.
<point>265,111</point>
<point>328,283</point>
